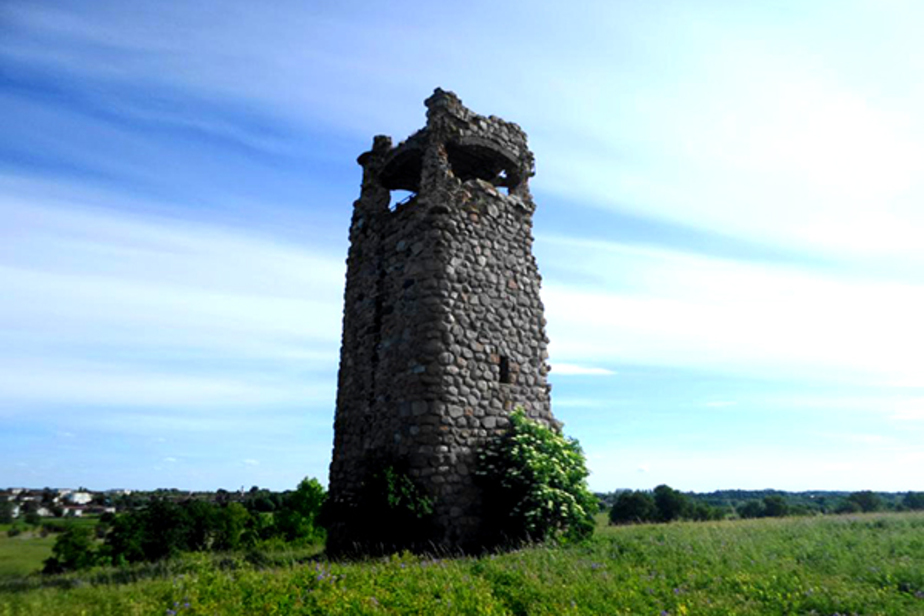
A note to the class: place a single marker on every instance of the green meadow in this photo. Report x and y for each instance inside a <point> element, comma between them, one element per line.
<point>850,564</point>
<point>23,553</point>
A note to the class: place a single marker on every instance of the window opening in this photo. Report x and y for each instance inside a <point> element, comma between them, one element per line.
<point>400,197</point>
<point>505,369</point>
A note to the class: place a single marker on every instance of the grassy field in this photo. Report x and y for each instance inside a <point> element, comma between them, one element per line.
<point>859,564</point>
<point>23,553</point>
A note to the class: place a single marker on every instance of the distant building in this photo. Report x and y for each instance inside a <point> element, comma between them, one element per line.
<point>78,498</point>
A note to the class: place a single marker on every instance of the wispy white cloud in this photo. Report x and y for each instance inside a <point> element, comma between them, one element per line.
<point>576,370</point>
<point>665,308</point>
<point>157,293</point>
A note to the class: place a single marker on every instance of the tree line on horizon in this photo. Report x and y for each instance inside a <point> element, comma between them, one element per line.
<point>665,504</point>
<point>164,528</point>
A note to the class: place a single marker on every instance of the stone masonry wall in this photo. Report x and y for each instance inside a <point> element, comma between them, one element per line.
<point>443,330</point>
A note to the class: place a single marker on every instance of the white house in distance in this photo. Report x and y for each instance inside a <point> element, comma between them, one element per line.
<point>78,498</point>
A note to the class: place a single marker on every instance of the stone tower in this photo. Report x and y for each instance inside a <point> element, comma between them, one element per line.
<point>443,328</point>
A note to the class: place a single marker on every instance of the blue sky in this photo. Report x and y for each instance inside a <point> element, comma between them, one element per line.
<point>729,229</point>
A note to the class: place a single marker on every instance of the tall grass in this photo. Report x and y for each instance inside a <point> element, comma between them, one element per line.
<point>863,564</point>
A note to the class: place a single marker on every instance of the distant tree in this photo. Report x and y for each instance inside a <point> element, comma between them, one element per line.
<point>166,530</point>
<point>32,518</point>
<point>6,512</point>
<point>202,519</point>
<point>230,524</point>
<point>263,504</point>
<point>633,507</point>
<point>866,500</point>
<point>847,506</point>
<point>258,527</point>
<point>751,509</point>
<point>73,550</point>
<point>671,504</point>
<point>100,499</point>
<point>48,496</point>
<point>298,517</point>
<point>702,512</point>
<point>775,506</point>
<point>914,501</point>
<point>124,543</point>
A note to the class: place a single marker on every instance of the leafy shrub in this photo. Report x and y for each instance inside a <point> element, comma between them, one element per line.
<point>866,500</point>
<point>914,501</point>
<point>392,513</point>
<point>671,504</point>
<point>73,550</point>
<point>296,520</point>
<point>534,483</point>
<point>633,508</point>
<point>848,506</point>
<point>775,506</point>
<point>751,509</point>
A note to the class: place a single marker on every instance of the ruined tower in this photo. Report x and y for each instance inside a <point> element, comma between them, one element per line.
<point>443,328</point>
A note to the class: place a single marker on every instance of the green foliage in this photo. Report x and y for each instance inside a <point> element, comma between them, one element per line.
<point>866,500</point>
<point>392,513</point>
<point>73,550</point>
<point>535,485</point>
<point>633,507</point>
<point>751,509</point>
<point>775,506</point>
<point>164,528</point>
<point>848,506</point>
<point>671,504</point>
<point>914,501</point>
<point>6,512</point>
<point>297,519</point>
<point>664,504</point>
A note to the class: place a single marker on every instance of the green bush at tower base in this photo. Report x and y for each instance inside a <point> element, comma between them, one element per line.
<point>534,485</point>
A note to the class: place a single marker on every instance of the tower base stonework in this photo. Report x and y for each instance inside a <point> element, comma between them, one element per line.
<point>443,327</point>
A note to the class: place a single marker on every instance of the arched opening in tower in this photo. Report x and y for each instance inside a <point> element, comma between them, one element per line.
<point>401,176</point>
<point>476,161</point>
